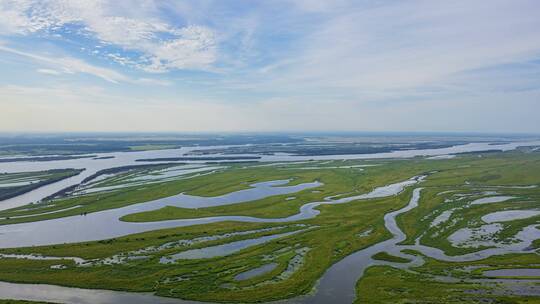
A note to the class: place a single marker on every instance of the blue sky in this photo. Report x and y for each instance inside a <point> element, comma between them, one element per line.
<point>280,65</point>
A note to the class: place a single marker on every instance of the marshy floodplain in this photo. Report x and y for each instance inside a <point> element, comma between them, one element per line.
<point>459,229</point>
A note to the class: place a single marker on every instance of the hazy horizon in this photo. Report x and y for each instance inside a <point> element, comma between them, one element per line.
<point>284,66</point>
<point>285,132</point>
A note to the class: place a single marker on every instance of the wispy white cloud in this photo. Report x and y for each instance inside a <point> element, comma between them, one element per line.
<point>193,48</point>
<point>294,64</point>
<point>152,81</point>
<point>160,46</point>
<point>48,71</point>
<point>69,65</point>
<point>411,44</point>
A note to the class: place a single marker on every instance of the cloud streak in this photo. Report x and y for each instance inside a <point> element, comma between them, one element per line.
<point>67,65</point>
<point>158,46</point>
<point>287,64</point>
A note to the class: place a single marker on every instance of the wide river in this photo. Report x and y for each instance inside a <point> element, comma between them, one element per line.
<point>336,286</point>
<point>119,159</point>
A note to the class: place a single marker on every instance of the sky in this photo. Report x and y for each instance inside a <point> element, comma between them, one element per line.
<point>276,65</point>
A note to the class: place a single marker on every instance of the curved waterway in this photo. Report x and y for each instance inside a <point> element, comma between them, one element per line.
<point>90,166</point>
<point>107,224</point>
<point>60,294</point>
<point>119,159</point>
<point>337,285</point>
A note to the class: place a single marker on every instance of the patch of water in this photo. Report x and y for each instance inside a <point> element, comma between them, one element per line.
<point>118,159</point>
<point>509,215</point>
<point>475,237</point>
<point>338,283</point>
<point>441,218</point>
<point>365,233</point>
<point>106,224</point>
<point>147,179</point>
<point>492,199</point>
<point>59,294</point>
<point>523,272</point>
<point>224,249</point>
<point>40,257</point>
<point>255,272</point>
<point>139,254</point>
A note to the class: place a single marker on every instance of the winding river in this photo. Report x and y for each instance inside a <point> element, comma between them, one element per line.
<point>337,285</point>
<point>107,224</point>
<point>119,159</point>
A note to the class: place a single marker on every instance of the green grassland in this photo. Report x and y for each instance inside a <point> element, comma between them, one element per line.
<point>502,169</point>
<point>334,234</point>
<point>384,284</point>
<point>234,178</point>
<point>459,269</point>
<point>385,256</point>
<point>334,238</point>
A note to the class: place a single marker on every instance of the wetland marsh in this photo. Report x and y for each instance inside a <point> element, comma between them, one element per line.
<point>290,228</point>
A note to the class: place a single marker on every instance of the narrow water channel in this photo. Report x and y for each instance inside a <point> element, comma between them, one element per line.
<point>337,285</point>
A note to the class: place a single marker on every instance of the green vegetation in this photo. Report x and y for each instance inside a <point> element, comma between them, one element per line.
<point>336,182</point>
<point>474,269</point>
<point>234,178</point>
<point>334,237</point>
<point>385,256</point>
<point>451,185</point>
<point>473,179</point>
<point>383,284</point>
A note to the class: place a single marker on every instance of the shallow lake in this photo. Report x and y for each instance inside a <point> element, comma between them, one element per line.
<point>527,272</point>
